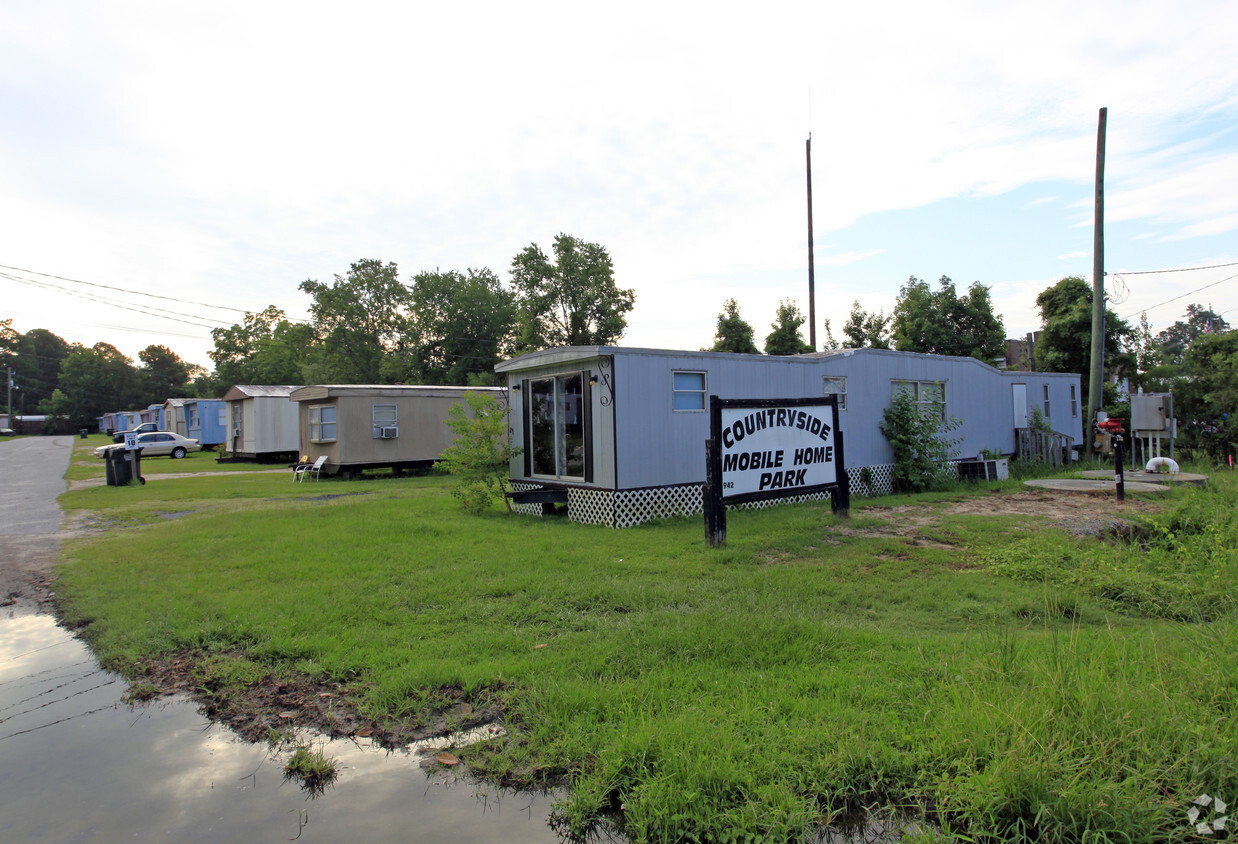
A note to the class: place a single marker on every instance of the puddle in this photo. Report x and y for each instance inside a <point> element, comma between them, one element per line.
<point>79,764</point>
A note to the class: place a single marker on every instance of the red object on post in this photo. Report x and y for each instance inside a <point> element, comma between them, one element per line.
<point>1112,425</point>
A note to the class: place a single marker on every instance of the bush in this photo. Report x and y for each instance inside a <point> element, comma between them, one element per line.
<point>480,454</point>
<point>921,451</point>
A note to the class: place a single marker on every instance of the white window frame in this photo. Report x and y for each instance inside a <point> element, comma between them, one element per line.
<point>917,389</point>
<point>380,419</point>
<point>694,396</point>
<point>322,430</point>
<point>1045,391</point>
<point>836,381</point>
<point>1074,403</point>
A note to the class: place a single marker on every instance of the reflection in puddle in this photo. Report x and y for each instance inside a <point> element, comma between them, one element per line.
<point>78,764</point>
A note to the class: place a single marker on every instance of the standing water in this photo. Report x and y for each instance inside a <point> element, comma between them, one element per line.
<point>79,764</point>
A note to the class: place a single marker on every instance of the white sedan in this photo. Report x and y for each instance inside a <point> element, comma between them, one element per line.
<point>158,443</point>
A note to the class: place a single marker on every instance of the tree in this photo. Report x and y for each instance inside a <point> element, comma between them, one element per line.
<point>571,302</point>
<point>1206,398</point>
<point>265,348</point>
<point>463,324</point>
<point>94,381</point>
<point>36,364</point>
<point>785,339</point>
<point>360,320</point>
<point>481,452</point>
<point>865,330</point>
<point>1065,344</point>
<point>1174,342</point>
<point>734,334</point>
<point>163,375</point>
<point>943,323</point>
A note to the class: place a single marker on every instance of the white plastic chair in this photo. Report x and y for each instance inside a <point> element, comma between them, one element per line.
<point>303,469</point>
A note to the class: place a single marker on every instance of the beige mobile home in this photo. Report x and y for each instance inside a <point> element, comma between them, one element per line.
<point>174,416</point>
<point>365,426</point>
<point>262,422</point>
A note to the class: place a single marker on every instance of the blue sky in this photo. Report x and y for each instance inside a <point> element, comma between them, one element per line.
<point>222,156</point>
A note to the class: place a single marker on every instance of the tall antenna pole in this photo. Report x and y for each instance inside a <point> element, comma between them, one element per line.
<point>1096,382</point>
<point>812,280</point>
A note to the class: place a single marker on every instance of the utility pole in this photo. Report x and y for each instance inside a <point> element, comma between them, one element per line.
<point>1096,383</point>
<point>10,406</point>
<point>812,292</point>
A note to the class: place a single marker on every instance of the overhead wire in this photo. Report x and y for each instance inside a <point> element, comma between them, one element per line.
<point>124,290</point>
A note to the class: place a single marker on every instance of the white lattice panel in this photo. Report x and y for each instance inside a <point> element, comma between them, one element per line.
<point>634,506</point>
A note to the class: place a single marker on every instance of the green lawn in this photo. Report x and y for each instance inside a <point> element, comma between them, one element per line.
<point>1009,680</point>
<point>85,465</point>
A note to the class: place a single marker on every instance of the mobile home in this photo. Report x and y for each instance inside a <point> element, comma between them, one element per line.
<point>206,420</point>
<point>622,431</point>
<point>263,422</point>
<point>362,426</point>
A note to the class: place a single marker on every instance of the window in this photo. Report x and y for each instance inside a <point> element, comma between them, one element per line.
<point>1046,389</point>
<point>1074,403</point>
<point>688,390</point>
<point>191,415</point>
<point>556,417</point>
<point>929,395</point>
<point>386,421</point>
<point>837,387</point>
<point>322,423</point>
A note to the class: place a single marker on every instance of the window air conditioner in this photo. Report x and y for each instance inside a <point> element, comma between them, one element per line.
<point>388,433</point>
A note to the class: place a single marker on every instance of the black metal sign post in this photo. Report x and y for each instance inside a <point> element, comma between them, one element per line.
<point>767,449</point>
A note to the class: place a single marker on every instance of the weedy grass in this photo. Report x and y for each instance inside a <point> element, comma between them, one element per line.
<point>744,693</point>
<point>84,465</point>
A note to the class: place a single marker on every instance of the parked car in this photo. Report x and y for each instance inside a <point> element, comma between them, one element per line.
<point>144,428</point>
<point>157,443</point>
<point>7,432</point>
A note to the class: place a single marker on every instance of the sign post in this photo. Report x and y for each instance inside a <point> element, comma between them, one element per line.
<point>766,449</point>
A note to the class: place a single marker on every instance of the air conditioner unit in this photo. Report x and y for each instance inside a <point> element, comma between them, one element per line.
<point>388,433</point>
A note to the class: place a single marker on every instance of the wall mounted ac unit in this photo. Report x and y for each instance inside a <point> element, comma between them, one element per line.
<point>388,433</point>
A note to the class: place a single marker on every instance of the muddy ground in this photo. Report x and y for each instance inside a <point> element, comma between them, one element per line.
<point>303,702</point>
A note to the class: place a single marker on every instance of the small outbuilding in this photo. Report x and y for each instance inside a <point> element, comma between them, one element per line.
<point>620,433</point>
<point>174,417</point>
<point>263,422</point>
<point>365,426</point>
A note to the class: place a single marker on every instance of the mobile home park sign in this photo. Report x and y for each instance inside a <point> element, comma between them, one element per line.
<point>765,449</point>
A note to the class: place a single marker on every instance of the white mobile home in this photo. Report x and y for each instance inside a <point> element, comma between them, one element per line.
<point>623,431</point>
<point>366,426</point>
<point>263,424</point>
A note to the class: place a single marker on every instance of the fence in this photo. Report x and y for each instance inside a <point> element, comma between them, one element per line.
<point>1042,446</point>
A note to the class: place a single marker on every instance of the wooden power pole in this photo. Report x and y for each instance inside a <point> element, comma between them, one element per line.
<point>812,281</point>
<point>1096,382</point>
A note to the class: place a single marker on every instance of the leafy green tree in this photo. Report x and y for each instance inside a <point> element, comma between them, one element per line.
<point>785,339</point>
<point>463,325</point>
<point>1065,343</point>
<point>1174,342</point>
<point>35,358</point>
<point>360,320</point>
<point>734,334</point>
<point>570,301</point>
<point>1206,398</point>
<point>921,449</point>
<point>265,348</point>
<point>481,452</point>
<point>943,323</point>
<point>163,375</point>
<point>94,381</point>
<point>865,330</point>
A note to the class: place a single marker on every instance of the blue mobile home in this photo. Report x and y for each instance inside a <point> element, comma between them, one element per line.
<point>206,420</point>
<point>623,431</point>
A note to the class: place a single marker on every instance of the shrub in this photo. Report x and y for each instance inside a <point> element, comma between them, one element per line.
<point>480,454</point>
<point>921,450</point>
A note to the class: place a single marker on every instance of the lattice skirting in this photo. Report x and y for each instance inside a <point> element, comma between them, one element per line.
<point>629,507</point>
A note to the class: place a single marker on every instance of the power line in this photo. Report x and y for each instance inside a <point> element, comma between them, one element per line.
<point>1184,295</point>
<point>1181,269</point>
<point>124,290</point>
<point>90,298</point>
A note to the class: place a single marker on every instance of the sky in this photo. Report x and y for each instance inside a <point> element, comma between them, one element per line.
<point>221,154</point>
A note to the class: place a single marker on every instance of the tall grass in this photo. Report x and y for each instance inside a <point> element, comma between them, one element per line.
<point>991,678</point>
